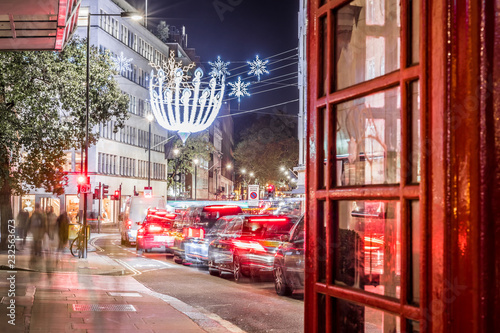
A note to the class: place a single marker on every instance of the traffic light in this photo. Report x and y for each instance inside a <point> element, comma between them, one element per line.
<point>270,190</point>
<point>117,194</point>
<point>97,194</point>
<point>82,181</point>
<point>104,190</point>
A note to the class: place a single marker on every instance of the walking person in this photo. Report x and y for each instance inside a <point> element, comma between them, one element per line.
<point>52,229</point>
<point>22,221</point>
<point>63,230</point>
<point>36,225</point>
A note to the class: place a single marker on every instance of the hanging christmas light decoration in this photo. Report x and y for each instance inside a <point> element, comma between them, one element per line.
<point>239,89</point>
<point>121,64</point>
<point>188,110</point>
<point>258,67</point>
<point>219,68</point>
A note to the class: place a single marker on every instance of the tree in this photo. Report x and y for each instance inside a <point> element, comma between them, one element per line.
<point>43,107</point>
<point>267,145</point>
<point>196,146</point>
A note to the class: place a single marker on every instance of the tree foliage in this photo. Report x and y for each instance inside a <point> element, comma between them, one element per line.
<point>196,146</point>
<point>43,108</point>
<point>266,146</point>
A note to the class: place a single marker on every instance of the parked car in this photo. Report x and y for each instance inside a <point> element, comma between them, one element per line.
<point>135,212</point>
<point>247,245</point>
<point>196,248</point>
<point>197,222</point>
<point>156,231</point>
<point>288,270</point>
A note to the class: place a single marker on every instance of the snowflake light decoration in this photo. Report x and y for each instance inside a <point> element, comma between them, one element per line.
<point>239,89</point>
<point>121,64</point>
<point>170,68</point>
<point>258,67</point>
<point>219,68</point>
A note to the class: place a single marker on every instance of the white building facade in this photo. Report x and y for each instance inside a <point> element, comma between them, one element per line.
<point>119,159</point>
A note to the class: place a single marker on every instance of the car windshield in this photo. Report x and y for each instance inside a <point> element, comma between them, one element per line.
<point>267,230</point>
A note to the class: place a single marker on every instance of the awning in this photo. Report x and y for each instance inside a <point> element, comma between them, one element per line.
<point>37,25</point>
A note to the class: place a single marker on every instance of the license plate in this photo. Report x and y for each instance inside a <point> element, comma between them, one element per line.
<point>160,238</point>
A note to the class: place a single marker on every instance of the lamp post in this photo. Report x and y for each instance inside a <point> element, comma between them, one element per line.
<point>176,154</point>
<point>242,184</point>
<point>196,161</point>
<point>150,118</point>
<point>230,167</point>
<point>134,16</point>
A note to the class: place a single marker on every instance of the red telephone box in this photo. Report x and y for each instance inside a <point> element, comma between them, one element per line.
<point>403,178</point>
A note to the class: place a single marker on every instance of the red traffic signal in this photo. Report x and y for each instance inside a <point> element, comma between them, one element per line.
<point>117,194</point>
<point>82,181</point>
<point>270,188</point>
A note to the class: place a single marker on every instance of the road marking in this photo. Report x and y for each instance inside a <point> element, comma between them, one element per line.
<point>127,266</point>
<point>163,263</point>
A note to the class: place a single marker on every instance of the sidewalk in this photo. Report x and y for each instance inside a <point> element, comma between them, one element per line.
<point>91,295</point>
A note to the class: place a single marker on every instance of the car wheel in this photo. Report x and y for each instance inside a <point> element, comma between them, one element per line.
<point>280,284</point>
<point>212,270</point>
<point>237,269</point>
<point>177,260</point>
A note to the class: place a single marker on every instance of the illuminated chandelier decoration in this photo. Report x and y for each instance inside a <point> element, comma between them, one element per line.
<point>185,110</point>
<point>121,64</point>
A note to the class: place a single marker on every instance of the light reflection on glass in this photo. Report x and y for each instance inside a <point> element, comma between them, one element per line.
<point>368,141</point>
<point>367,47</point>
<point>351,317</point>
<point>369,253</point>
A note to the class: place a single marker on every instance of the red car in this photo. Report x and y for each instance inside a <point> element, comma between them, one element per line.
<point>156,232</point>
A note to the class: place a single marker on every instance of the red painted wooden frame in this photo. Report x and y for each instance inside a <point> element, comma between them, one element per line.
<point>459,192</point>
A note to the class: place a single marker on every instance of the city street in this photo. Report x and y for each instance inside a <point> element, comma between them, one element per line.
<point>251,306</point>
<point>113,275</point>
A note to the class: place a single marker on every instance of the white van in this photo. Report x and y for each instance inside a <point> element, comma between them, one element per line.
<point>135,212</point>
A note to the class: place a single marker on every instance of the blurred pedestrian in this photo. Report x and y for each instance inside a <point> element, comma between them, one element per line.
<point>22,221</point>
<point>52,230</point>
<point>63,230</point>
<point>36,225</point>
<point>51,222</point>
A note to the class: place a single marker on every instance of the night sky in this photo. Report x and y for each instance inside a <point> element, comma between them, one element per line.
<point>237,31</point>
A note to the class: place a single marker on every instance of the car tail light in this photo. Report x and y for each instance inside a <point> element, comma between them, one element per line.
<point>170,216</point>
<point>268,219</point>
<point>196,232</point>
<point>218,207</point>
<point>129,224</point>
<point>249,245</point>
<point>140,233</point>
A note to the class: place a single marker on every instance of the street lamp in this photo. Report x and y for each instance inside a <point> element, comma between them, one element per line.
<point>229,167</point>
<point>196,161</point>
<point>134,16</point>
<point>243,183</point>
<point>150,118</point>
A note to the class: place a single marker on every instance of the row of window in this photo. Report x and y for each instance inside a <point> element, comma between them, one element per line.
<point>158,170</point>
<point>139,45</point>
<point>132,136</point>
<point>108,164</point>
